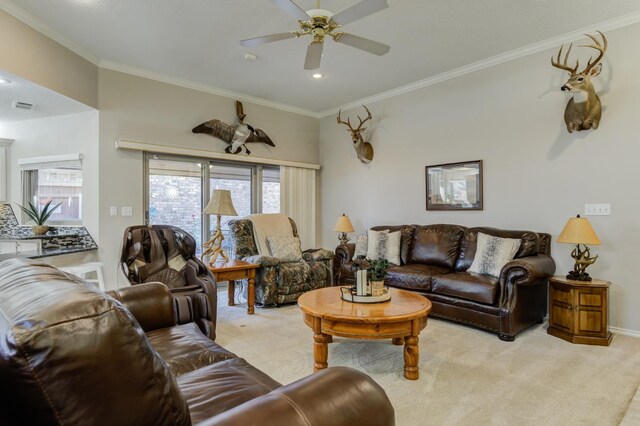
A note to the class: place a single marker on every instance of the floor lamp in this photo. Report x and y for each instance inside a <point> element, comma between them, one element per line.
<point>219,205</point>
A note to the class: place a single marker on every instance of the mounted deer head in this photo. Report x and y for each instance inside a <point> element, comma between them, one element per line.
<point>364,150</point>
<point>583,110</point>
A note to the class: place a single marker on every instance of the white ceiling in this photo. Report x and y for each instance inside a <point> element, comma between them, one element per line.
<point>48,103</point>
<point>197,40</point>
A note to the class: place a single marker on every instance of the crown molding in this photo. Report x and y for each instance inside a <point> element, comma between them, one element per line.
<point>38,25</point>
<point>188,84</point>
<point>554,42</point>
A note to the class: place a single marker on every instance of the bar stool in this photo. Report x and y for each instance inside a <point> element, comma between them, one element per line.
<point>86,268</point>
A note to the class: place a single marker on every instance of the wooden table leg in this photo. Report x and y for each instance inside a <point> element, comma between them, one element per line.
<point>231,290</point>
<point>411,357</point>
<point>320,348</point>
<point>251,295</point>
<point>398,341</point>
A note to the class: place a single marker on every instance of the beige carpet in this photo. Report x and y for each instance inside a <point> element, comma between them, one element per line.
<point>468,377</point>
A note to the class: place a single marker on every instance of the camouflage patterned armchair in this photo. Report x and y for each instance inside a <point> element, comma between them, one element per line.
<point>281,282</point>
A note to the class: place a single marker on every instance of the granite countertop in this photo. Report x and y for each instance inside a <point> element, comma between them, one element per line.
<point>25,233</point>
<point>34,254</point>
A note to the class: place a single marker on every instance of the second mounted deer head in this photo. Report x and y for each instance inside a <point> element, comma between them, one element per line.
<point>583,110</point>
<point>364,150</point>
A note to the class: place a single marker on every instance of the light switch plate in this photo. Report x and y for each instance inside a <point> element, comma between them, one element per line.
<point>127,211</point>
<point>597,209</point>
<point>113,211</point>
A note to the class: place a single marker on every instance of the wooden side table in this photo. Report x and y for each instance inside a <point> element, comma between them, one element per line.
<point>579,311</point>
<point>237,270</point>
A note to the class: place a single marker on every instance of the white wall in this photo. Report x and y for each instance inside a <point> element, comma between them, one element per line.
<point>536,175</point>
<point>143,110</point>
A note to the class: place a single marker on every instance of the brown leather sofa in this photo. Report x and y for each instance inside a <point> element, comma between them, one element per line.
<point>434,262</point>
<point>167,254</point>
<point>71,354</point>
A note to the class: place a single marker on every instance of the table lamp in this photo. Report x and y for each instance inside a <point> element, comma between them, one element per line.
<point>220,204</point>
<point>578,231</point>
<point>343,225</point>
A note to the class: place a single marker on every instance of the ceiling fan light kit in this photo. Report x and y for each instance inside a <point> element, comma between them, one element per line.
<point>319,23</point>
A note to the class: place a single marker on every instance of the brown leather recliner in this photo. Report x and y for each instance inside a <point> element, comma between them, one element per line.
<point>73,355</point>
<point>167,254</point>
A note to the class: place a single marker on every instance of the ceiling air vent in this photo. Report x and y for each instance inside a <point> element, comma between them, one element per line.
<point>25,106</point>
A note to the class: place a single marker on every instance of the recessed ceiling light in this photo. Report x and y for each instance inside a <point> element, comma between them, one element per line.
<point>317,75</point>
<point>4,80</point>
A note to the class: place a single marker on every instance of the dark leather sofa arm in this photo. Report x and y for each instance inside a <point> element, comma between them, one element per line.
<point>151,304</point>
<point>528,270</point>
<point>337,396</point>
<point>345,253</point>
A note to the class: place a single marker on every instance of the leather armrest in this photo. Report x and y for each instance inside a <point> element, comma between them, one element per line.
<point>345,253</point>
<point>528,270</point>
<point>150,303</point>
<point>263,260</point>
<point>337,396</point>
<point>317,255</point>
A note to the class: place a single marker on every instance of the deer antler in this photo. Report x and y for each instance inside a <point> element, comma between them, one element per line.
<point>347,123</point>
<point>600,47</point>
<point>563,65</point>
<point>366,119</point>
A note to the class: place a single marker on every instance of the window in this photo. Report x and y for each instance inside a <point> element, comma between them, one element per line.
<point>58,181</point>
<point>179,187</point>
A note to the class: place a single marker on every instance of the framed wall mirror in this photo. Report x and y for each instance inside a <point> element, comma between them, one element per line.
<point>454,186</point>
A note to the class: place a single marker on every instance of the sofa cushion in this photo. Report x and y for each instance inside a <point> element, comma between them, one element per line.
<point>492,254</point>
<point>436,245</point>
<point>467,285</point>
<point>413,276</point>
<point>529,242</point>
<point>221,386</point>
<point>70,354</point>
<point>406,235</point>
<point>184,348</point>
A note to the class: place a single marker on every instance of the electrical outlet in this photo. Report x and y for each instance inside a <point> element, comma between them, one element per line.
<point>597,209</point>
<point>127,211</point>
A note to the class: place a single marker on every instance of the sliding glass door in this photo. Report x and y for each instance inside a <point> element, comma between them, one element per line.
<point>178,188</point>
<point>175,195</point>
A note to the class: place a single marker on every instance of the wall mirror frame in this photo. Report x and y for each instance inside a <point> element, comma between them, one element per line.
<point>454,186</point>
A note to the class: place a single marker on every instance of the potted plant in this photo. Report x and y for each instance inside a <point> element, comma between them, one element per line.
<point>377,274</point>
<point>39,216</point>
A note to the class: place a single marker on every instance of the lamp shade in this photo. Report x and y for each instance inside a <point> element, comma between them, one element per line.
<point>220,203</point>
<point>578,230</point>
<point>343,224</point>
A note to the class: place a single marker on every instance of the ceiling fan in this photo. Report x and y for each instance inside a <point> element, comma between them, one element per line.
<point>319,23</point>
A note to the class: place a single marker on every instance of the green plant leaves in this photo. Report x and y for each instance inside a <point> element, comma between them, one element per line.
<point>39,216</point>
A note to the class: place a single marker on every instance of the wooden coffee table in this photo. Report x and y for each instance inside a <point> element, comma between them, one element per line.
<point>237,270</point>
<point>400,319</point>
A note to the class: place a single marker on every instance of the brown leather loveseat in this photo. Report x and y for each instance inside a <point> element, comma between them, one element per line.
<point>434,262</point>
<point>71,354</point>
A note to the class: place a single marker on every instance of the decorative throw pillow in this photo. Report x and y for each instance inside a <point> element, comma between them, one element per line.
<point>287,249</point>
<point>361,246</point>
<point>492,254</point>
<point>384,245</point>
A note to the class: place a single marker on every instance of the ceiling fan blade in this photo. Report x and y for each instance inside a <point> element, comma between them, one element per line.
<point>314,55</point>
<point>250,42</point>
<point>359,10</point>
<point>363,44</point>
<point>290,8</point>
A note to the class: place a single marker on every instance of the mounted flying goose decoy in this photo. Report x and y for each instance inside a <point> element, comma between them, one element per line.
<point>236,135</point>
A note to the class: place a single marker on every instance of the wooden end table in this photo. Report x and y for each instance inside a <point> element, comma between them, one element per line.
<point>400,319</point>
<point>237,270</point>
<point>579,311</point>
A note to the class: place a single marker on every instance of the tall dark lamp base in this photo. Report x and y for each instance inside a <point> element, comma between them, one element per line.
<point>581,260</point>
